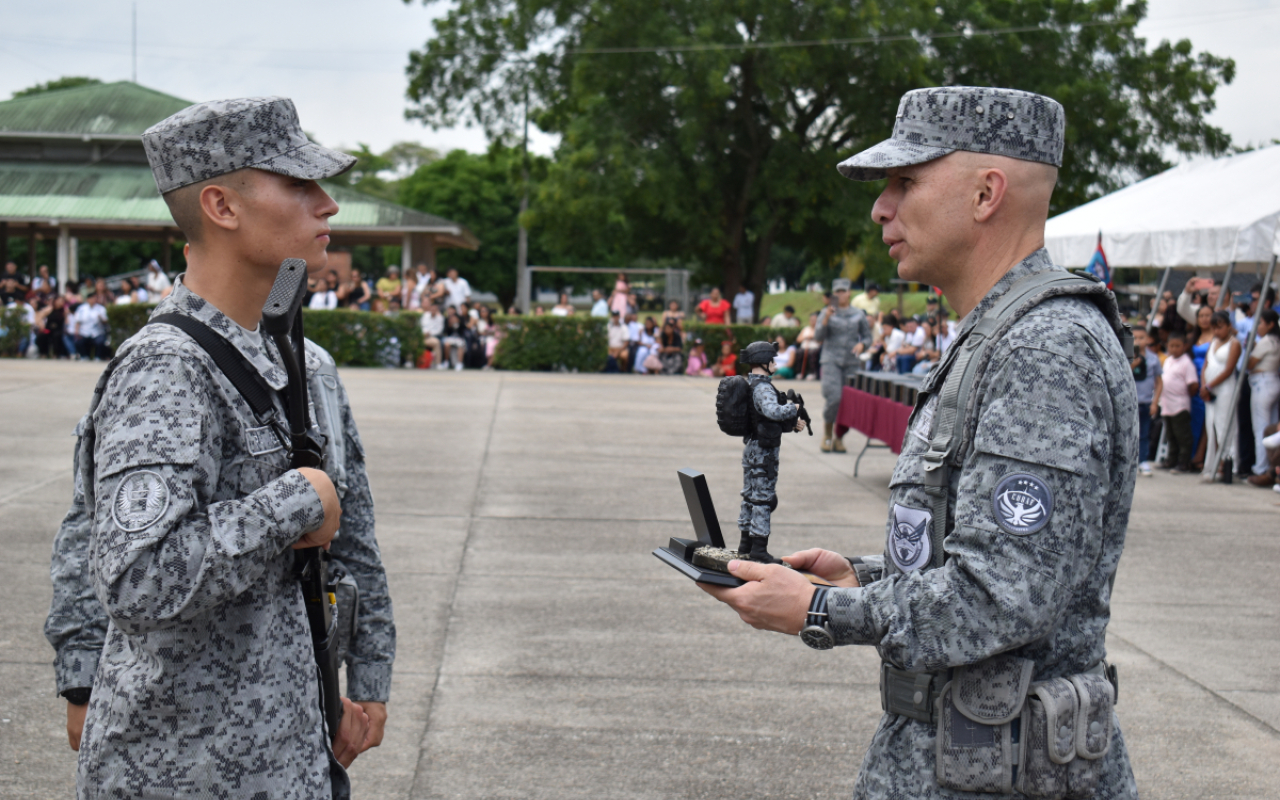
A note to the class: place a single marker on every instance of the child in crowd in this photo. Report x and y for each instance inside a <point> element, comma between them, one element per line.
<point>698,361</point>
<point>1147,375</point>
<point>727,366</point>
<point>1179,384</point>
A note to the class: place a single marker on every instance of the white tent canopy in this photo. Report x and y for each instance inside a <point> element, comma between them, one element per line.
<point>1206,213</point>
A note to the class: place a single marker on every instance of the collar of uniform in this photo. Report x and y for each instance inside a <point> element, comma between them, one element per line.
<point>1037,262</point>
<point>263,359</point>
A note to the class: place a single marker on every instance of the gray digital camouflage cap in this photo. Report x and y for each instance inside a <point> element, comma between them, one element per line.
<point>934,122</point>
<point>210,139</point>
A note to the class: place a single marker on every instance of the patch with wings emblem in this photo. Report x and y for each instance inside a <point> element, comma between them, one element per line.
<point>1022,504</point>
<point>909,544</point>
<point>142,498</point>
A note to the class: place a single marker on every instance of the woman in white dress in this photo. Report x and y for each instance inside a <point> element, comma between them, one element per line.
<point>1217,388</point>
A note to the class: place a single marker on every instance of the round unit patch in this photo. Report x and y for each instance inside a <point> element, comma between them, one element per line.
<point>909,543</point>
<point>142,498</point>
<point>1022,503</point>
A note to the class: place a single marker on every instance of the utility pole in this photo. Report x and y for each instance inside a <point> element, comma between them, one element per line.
<point>524,284</point>
<point>135,42</point>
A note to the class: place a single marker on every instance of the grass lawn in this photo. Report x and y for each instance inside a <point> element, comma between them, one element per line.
<point>805,303</point>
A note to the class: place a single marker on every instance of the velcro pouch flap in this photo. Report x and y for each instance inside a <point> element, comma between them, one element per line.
<point>1094,720</point>
<point>1058,696</point>
<point>992,692</point>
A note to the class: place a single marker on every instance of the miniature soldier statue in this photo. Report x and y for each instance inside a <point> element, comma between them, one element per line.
<point>771,414</point>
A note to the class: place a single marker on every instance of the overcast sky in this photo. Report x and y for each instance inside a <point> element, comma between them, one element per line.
<point>343,62</point>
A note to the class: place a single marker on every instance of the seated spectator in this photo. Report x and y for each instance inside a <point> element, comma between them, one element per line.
<point>913,338</point>
<point>785,360</point>
<point>647,349</point>
<point>457,290</point>
<point>489,334</point>
<point>698,361</point>
<point>599,306</point>
<point>389,286</point>
<point>671,349</point>
<point>419,285</point>
<point>810,349</point>
<point>538,311</point>
<point>714,310</point>
<point>44,284</point>
<point>868,301</point>
<point>432,329</point>
<point>619,342</point>
<point>883,355</point>
<point>727,366</point>
<point>927,354</point>
<point>454,340</point>
<point>158,284</point>
<point>564,308</point>
<point>51,329</point>
<point>674,314</point>
<point>634,329</point>
<point>105,296</point>
<point>787,319</point>
<point>29,317</point>
<point>324,297</point>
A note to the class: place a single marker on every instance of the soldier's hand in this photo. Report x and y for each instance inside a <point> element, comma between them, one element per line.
<point>377,724</point>
<point>773,599</point>
<point>800,425</point>
<point>831,567</point>
<point>857,349</point>
<point>352,732</point>
<point>75,723</point>
<point>321,536</point>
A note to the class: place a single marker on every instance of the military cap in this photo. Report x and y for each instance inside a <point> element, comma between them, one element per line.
<point>841,283</point>
<point>932,123</point>
<point>210,139</point>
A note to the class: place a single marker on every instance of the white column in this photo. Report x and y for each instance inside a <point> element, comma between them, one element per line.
<point>73,261</point>
<point>64,254</point>
<point>406,256</point>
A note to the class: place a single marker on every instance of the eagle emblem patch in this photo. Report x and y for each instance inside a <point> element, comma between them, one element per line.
<point>909,544</point>
<point>1022,504</point>
<point>142,498</point>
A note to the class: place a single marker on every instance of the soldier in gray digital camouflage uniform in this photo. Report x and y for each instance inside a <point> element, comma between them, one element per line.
<point>1009,503</point>
<point>186,511</point>
<point>772,414</point>
<point>845,333</point>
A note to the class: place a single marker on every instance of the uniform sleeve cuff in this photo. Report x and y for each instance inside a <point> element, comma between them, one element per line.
<point>850,617</point>
<point>74,669</point>
<point>369,682</point>
<point>293,503</point>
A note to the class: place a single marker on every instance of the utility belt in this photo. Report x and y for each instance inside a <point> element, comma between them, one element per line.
<point>998,732</point>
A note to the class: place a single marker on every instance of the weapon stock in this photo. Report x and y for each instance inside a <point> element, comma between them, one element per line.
<point>282,321</point>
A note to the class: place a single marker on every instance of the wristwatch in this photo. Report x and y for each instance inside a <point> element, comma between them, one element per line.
<point>78,696</point>
<point>817,628</point>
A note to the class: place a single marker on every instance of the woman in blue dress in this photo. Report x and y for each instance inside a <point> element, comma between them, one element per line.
<point>1202,337</point>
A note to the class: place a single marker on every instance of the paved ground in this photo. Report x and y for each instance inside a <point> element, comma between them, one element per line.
<point>545,654</point>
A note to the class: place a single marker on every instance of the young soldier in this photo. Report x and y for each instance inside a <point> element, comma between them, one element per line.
<point>187,513</point>
<point>771,415</point>
<point>1009,503</point>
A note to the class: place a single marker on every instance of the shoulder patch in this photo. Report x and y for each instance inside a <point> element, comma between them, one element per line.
<point>141,499</point>
<point>1022,504</point>
<point>909,544</point>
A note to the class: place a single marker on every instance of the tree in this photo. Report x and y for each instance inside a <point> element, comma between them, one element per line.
<point>68,82</point>
<point>481,192</point>
<point>379,174</point>
<point>711,130</point>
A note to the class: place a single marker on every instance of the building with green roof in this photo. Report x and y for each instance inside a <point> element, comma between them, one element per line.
<point>72,167</point>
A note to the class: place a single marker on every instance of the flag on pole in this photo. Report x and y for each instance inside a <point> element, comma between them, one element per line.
<point>1098,264</point>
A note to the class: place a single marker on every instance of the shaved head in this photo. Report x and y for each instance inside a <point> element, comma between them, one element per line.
<point>184,203</point>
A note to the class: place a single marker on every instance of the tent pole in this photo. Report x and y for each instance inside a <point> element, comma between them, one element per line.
<point>1225,291</point>
<point>1244,354</point>
<point>1155,304</point>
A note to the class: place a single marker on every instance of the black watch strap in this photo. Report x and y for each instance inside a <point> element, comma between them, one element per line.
<point>817,630</point>
<point>78,696</point>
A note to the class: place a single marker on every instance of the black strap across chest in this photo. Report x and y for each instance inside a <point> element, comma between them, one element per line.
<point>230,361</point>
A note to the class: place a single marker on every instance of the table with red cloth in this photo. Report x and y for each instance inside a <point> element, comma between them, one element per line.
<point>877,418</point>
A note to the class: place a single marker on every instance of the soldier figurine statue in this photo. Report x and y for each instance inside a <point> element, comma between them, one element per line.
<point>770,413</point>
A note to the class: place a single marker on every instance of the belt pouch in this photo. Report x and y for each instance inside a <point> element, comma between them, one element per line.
<point>1048,740</point>
<point>975,712</point>
<point>1095,724</point>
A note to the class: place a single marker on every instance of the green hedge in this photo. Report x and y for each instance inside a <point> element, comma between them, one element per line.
<point>576,344</point>
<point>743,335</point>
<point>353,338</point>
<point>13,329</point>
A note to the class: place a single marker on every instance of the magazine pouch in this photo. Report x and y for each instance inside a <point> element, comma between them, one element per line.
<point>1095,723</point>
<point>1048,739</point>
<point>975,714</point>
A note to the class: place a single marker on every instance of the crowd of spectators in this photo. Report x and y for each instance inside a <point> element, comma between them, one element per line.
<point>71,321</point>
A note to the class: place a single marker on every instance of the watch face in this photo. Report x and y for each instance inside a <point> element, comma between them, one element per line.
<point>817,637</point>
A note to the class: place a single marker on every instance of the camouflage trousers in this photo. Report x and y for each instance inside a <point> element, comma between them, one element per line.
<point>834,378</point>
<point>759,483</point>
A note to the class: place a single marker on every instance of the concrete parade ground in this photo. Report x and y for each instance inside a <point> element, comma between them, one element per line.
<point>544,653</point>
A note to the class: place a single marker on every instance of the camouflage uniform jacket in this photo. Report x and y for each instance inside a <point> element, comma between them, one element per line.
<point>175,562</point>
<point>839,334</point>
<point>1038,507</point>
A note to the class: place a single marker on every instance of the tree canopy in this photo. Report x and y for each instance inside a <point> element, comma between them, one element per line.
<point>66,82</point>
<point>710,131</point>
